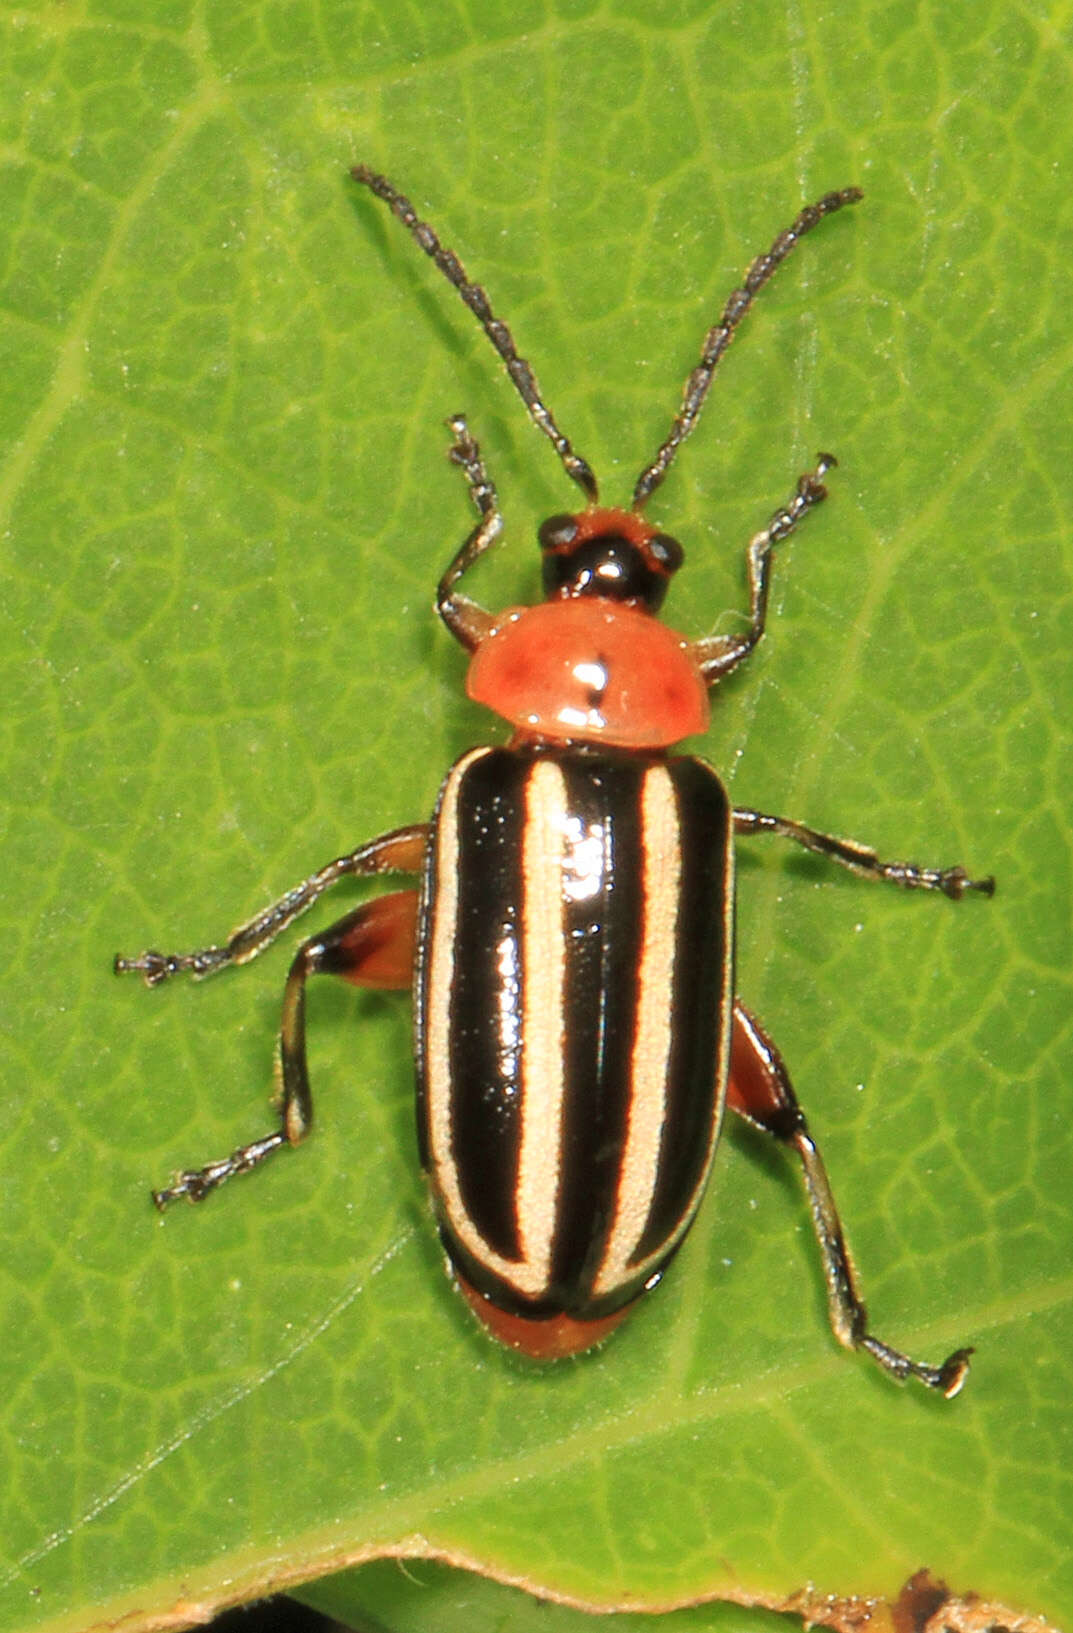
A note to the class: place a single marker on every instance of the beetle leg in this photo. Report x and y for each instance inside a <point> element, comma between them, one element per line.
<point>469,622</point>
<point>850,853</point>
<point>719,654</point>
<point>373,946</point>
<point>401,851</point>
<point>760,1091</point>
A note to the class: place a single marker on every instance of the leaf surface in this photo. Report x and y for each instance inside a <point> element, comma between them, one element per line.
<point>223,508</point>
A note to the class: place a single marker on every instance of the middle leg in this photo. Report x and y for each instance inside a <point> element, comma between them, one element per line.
<point>401,851</point>
<point>862,859</point>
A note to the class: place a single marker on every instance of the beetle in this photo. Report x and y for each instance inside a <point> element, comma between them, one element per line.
<point>570,947</point>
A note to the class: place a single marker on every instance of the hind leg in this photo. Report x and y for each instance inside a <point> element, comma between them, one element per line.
<point>372,946</point>
<point>760,1091</point>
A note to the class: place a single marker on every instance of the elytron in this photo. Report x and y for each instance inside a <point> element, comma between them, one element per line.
<point>570,941</point>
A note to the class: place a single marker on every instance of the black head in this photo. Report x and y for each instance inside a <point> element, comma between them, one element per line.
<point>613,554</point>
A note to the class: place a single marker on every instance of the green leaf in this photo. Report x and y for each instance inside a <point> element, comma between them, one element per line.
<point>223,508</point>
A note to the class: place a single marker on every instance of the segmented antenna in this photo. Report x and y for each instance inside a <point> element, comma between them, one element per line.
<point>522,376</point>
<point>718,339</point>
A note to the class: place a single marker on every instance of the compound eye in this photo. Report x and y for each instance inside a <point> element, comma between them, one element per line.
<point>666,553</point>
<point>557,533</point>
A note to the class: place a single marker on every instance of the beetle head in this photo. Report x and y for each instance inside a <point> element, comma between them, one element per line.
<point>612,554</point>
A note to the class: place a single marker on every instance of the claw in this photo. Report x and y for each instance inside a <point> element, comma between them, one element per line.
<point>155,967</point>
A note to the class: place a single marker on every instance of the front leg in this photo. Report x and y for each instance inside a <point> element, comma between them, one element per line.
<point>401,851</point>
<point>862,859</point>
<point>719,654</point>
<point>467,620</point>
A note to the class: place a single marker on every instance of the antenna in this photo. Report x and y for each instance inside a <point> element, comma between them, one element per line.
<point>718,339</point>
<point>521,374</point>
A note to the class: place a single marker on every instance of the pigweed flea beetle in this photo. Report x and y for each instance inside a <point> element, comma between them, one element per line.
<point>570,946</point>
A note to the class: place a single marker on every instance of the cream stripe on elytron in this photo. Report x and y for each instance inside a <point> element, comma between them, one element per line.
<point>726,1005</point>
<point>544,840</point>
<point>438,1004</point>
<point>661,873</point>
<point>525,1276</point>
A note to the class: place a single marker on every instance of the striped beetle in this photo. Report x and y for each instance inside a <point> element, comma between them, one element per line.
<point>571,946</point>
